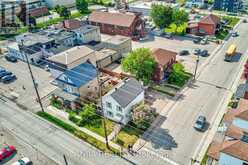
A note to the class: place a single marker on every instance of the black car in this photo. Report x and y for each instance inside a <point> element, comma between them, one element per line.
<point>2,74</point>
<point>10,58</point>
<point>2,70</point>
<point>200,123</point>
<point>204,53</point>
<point>8,78</point>
<point>184,53</point>
<point>197,51</point>
<point>197,40</point>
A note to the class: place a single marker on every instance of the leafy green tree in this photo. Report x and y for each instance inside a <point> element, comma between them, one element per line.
<point>179,17</point>
<point>57,8</point>
<point>82,6</point>
<point>88,115</point>
<point>140,63</point>
<point>177,75</point>
<point>64,12</point>
<point>161,15</point>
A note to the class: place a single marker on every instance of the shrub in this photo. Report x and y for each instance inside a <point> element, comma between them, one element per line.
<point>120,142</point>
<point>74,118</point>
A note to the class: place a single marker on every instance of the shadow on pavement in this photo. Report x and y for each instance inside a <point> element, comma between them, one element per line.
<point>159,137</point>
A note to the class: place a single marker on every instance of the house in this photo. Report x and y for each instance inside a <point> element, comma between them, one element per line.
<point>118,103</point>
<point>69,24</point>
<point>207,25</point>
<point>87,33</point>
<point>106,57</point>
<point>36,8</point>
<point>121,44</point>
<point>75,70</point>
<point>164,59</point>
<point>232,148</point>
<point>119,23</point>
<point>233,6</point>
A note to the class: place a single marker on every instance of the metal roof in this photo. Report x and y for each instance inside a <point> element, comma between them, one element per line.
<point>79,76</point>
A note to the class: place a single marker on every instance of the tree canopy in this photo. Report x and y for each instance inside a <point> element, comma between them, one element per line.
<point>82,6</point>
<point>178,76</point>
<point>140,63</point>
<point>179,17</point>
<point>88,115</point>
<point>161,15</point>
<point>63,11</point>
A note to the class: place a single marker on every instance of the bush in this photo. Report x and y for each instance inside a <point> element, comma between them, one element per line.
<point>74,118</point>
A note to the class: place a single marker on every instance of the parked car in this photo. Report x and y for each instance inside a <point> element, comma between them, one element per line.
<point>244,20</point>
<point>2,74</point>
<point>200,123</point>
<point>204,53</point>
<point>23,161</point>
<point>8,78</point>
<point>197,40</point>
<point>234,34</point>
<point>10,58</point>
<point>6,152</point>
<point>204,41</point>
<point>183,53</point>
<point>197,51</point>
<point>167,35</point>
<point>2,70</point>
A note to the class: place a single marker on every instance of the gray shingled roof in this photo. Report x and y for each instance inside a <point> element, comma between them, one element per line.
<point>127,92</point>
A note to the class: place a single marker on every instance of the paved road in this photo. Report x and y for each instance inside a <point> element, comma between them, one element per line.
<point>174,134</point>
<point>54,142</point>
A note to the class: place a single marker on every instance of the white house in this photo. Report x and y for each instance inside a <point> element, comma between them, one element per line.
<point>118,103</point>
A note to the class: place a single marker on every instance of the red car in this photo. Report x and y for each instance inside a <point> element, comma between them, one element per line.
<point>6,152</point>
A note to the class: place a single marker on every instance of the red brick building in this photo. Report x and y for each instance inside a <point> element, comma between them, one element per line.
<point>38,12</point>
<point>164,59</point>
<point>126,23</point>
<point>206,26</point>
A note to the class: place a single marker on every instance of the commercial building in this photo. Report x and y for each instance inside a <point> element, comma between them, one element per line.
<point>119,23</point>
<point>87,33</point>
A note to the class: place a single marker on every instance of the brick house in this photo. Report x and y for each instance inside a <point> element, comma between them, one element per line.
<point>206,26</point>
<point>126,24</point>
<point>164,59</point>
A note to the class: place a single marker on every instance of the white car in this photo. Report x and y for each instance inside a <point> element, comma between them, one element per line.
<point>23,161</point>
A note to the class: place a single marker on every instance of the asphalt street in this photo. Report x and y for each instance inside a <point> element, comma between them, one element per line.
<point>174,134</point>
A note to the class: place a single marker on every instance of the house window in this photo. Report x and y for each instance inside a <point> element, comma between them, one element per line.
<point>109,105</point>
<point>119,115</point>
<point>109,113</point>
<point>118,108</point>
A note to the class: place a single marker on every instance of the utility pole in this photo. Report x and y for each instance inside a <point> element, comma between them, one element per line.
<point>32,76</point>
<point>66,163</point>
<point>196,66</point>
<point>100,83</point>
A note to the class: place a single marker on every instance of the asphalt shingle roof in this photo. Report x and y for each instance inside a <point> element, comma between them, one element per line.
<point>126,93</point>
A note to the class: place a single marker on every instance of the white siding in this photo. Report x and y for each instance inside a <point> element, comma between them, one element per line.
<point>229,160</point>
<point>126,112</point>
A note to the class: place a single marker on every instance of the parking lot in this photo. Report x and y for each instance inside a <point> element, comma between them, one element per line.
<point>22,88</point>
<point>177,44</point>
<point>23,150</point>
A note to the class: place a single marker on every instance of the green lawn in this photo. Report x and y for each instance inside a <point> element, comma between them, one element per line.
<point>98,127</point>
<point>94,126</point>
<point>80,134</point>
<point>221,34</point>
<point>232,20</point>
<point>128,135</point>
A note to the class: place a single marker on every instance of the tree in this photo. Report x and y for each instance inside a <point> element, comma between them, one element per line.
<point>179,17</point>
<point>177,75</point>
<point>82,6</point>
<point>64,12</point>
<point>88,115</point>
<point>161,15</point>
<point>140,63</point>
